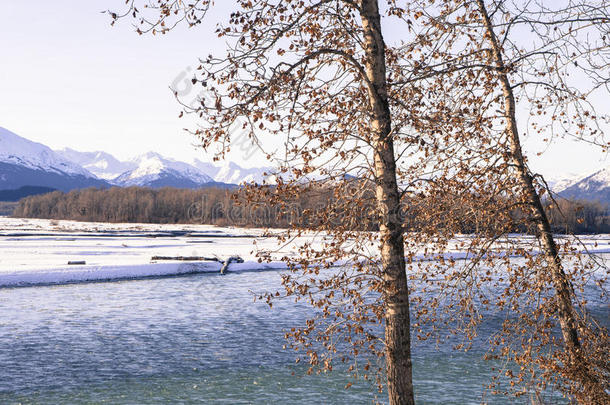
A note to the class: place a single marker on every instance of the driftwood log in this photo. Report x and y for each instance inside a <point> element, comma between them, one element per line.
<point>187,258</point>
<point>232,259</point>
<point>225,263</point>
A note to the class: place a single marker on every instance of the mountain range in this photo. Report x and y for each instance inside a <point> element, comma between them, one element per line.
<point>27,163</point>
<point>27,166</point>
<point>595,187</point>
<point>24,163</point>
<point>154,170</point>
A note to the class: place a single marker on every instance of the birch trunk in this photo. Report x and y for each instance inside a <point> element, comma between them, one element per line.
<point>397,327</point>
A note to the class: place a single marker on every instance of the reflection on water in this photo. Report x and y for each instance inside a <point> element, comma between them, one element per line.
<point>195,339</point>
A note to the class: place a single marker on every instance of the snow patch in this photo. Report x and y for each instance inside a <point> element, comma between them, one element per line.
<point>75,274</point>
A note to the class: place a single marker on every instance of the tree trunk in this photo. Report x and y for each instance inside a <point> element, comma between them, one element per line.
<point>563,288</point>
<point>397,328</point>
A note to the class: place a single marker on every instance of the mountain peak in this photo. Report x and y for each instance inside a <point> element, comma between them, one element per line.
<point>102,164</point>
<point>32,164</point>
<point>150,155</point>
<point>154,170</point>
<point>18,150</point>
<point>595,187</point>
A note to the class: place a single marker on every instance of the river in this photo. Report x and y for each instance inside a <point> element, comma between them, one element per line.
<point>189,340</point>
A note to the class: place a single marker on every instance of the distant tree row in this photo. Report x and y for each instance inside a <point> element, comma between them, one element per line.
<point>7,207</point>
<point>578,216</point>
<point>218,206</point>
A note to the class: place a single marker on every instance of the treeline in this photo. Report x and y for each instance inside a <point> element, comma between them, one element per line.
<point>222,207</point>
<point>7,208</point>
<point>578,216</point>
<point>216,206</point>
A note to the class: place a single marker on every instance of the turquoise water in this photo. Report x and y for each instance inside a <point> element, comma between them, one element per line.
<point>187,340</point>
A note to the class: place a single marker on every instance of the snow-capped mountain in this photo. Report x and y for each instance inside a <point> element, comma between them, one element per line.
<point>102,164</point>
<point>154,170</point>
<point>595,187</point>
<point>232,173</point>
<point>20,151</point>
<point>206,167</point>
<point>29,167</point>
<point>561,182</point>
<point>27,163</point>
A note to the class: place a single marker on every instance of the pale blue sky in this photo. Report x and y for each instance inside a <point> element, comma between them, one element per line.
<point>67,78</point>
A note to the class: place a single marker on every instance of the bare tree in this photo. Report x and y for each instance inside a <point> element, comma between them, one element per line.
<point>568,319</point>
<point>316,74</point>
<point>525,55</point>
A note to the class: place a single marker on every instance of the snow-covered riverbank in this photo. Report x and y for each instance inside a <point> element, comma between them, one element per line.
<point>37,251</point>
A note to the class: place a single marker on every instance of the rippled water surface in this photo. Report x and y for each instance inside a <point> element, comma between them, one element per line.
<point>183,340</point>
